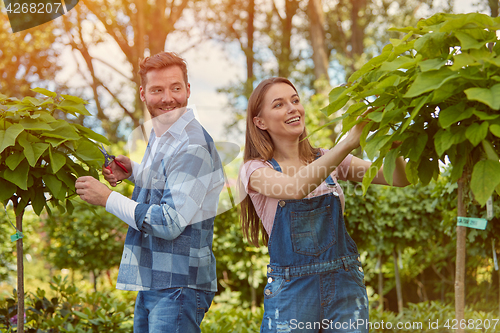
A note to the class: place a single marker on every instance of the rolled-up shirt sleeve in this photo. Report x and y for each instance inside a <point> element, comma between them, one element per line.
<point>183,188</point>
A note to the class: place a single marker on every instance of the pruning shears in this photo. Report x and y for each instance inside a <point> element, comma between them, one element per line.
<point>108,159</point>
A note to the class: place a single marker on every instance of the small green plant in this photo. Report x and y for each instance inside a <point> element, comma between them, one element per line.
<point>68,310</point>
<point>41,157</point>
<point>232,319</point>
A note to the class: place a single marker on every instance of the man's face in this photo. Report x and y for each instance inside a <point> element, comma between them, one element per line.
<point>165,91</point>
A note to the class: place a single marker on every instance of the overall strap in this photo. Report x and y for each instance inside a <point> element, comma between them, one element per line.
<point>275,165</point>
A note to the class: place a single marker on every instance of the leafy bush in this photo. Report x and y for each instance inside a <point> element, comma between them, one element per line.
<point>68,311</point>
<point>232,319</point>
<point>434,317</point>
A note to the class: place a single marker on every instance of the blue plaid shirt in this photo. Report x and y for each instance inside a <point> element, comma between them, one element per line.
<point>177,196</point>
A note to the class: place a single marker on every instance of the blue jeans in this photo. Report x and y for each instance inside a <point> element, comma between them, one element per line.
<point>171,310</point>
<point>334,301</point>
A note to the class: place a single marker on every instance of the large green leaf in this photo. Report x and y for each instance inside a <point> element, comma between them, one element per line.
<point>495,129</point>
<point>490,97</point>
<point>38,200</point>
<point>477,132</point>
<point>8,136</point>
<point>62,130</point>
<point>371,173</point>
<point>14,159</point>
<point>490,150</point>
<point>8,189</point>
<point>402,62</point>
<point>35,124</point>
<point>485,177</point>
<point>92,135</point>
<point>463,60</point>
<point>485,115</point>
<point>454,114</point>
<point>375,144</point>
<point>32,151</point>
<point>468,42</point>
<point>88,151</point>
<point>390,165</point>
<point>74,99</point>
<point>74,107</point>
<point>45,92</point>
<point>19,176</point>
<point>57,160</point>
<point>432,64</point>
<point>426,170</point>
<point>417,146</point>
<point>429,81</point>
<point>32,101</point>
<point>53,184</point>
<point>443,140</point>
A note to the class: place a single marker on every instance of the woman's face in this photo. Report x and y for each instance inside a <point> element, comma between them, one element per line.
<point>282,114</point>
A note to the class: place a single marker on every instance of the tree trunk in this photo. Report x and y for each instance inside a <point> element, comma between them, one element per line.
<point>20,274</point>
<point>398,282</point>
<point>317,36</point>
<point>493,4</point>
<point>285,54</point>
<point>249,52</point>
<point>380,284</point>
<point>460,261</point>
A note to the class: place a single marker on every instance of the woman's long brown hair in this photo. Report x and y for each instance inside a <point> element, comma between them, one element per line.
<point>259,146</point>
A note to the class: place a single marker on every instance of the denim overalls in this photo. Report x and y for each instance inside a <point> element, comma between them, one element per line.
<point>315,279</point>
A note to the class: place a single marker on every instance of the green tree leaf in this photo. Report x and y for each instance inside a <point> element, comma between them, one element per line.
<point>468,42</point>
<point>13,160</point>
<point>35,124</point>
<point>8,189</point>
<point>426,170</point>
<point>485,177</point>
<point>45,92</point>
<point>477,133</point>
<point>57,160</point>
<point>371,173</point>
<point>52,183</point>
<point>32,151</point>
<point>417,146</point>
<point>19,176</point>
<point>62,130</point>
<point>443,140</point>
<point>92,135</point>
<point>495,130</point>
<point>8,136</point>
<point>431,64</point>
<point>74,107</point>
<point>375,144</point>
<point>38,200</point>
<point>454,114</point>
<point>429,81</point>
<point>490,97</point>
<point>490,150</point>
<point>390,164</point>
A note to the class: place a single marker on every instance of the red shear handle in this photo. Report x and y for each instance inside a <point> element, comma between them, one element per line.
<point>121,166</point>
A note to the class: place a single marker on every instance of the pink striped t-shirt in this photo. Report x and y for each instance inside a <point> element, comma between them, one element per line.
<point>266,206</point>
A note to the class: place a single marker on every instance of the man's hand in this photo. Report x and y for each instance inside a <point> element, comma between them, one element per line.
<point>92,191</point>
<point>117,174</point>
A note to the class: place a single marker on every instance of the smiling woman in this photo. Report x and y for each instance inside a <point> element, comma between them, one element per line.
<point>293,190</point>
